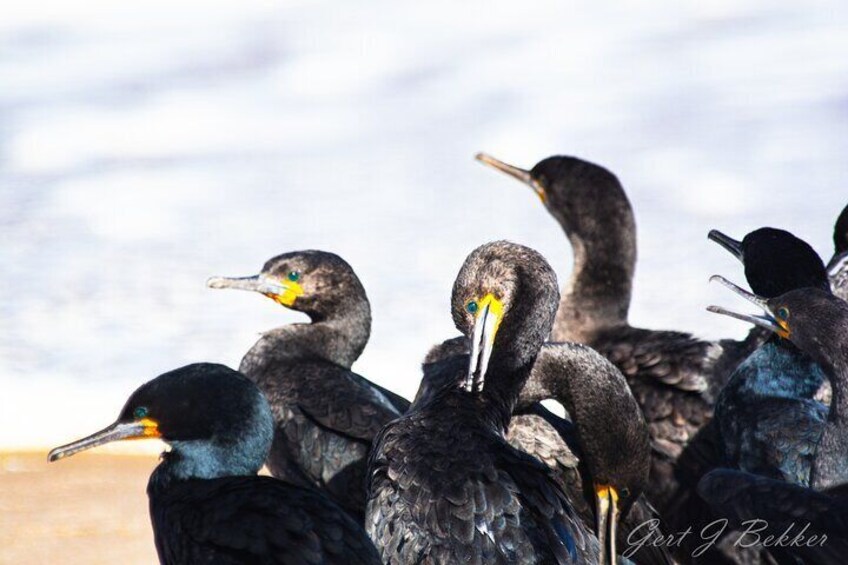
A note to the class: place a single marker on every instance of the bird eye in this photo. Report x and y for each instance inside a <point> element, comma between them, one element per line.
<point>783,313</point>
<point>294,276</point>
<point>471,306</point>
<point>140,412</point>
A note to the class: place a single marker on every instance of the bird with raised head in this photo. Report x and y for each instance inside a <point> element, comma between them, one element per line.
<point>767,417</point>
<point>206,503</point>
<point>326,415</point>
<point>817,323</point>
<point>672,374</point>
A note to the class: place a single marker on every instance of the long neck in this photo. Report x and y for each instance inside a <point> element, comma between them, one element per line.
<point>597,296</point>
<point>338,338</point>
<point>600,405</point>
<point>830,467</point>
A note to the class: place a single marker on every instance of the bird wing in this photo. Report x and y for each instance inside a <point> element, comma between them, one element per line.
<point>563,532</point>
<point>348,405</point>
<point>263,520</point>
<point>673,359</point>
<point>744,497</point>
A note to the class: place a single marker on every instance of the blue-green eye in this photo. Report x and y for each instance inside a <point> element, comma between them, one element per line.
<point>140,412</point>
<point>471,307</point>
<point>783,313</point>
<point>293,276</point>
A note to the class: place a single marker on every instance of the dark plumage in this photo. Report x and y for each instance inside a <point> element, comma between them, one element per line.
<point>768,420</point>
<point>671,374</point>
<point>608,432</point>
<point>611,448</point>
<point>837,268</point>
<point>206,503</point>
<point>445,487</point>
<point>815,321</point>
<point>326,415</point>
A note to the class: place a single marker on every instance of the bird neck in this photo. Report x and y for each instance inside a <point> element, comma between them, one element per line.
<point>338,338</point>
<point>829,467</point>
<point>600,405</point>
<point>597,296</point>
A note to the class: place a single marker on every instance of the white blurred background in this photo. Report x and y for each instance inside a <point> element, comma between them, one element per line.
<point>145,148</point>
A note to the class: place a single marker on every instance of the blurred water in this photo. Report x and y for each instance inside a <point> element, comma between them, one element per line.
<point>144,148</point>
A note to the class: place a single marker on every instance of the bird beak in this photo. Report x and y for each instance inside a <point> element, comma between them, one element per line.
<point>735,247</point>
<point>282,291</point>
<point>486,324</point>
<point>520,174</point>
<point>606,502</point>
<point>766,320</point>
<point>140,429</point>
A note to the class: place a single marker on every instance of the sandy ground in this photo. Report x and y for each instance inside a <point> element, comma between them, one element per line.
<point>90,508</point>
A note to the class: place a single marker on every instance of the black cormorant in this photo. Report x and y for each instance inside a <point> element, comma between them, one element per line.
<point>206,503</point>
<point>326,414</point>
<point>607,432</point>
<point>603,449</point>
<point>444,485</point>
<point>817,322</point>
<point>669,372</point>
<point>766,415</point>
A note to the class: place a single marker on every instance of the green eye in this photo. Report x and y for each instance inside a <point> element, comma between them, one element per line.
<point>783,313</point>
<point>140,412</point>
<point>471,307</point>
<point>294,276</point>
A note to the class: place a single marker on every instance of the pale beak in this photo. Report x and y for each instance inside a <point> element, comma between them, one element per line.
<point>284,292</point>
<point>521,174</point>
<point>606,501</point>
<point>766,320</point>
<point>730,244</point>
<point>486,324</point>
<point>141,429</point>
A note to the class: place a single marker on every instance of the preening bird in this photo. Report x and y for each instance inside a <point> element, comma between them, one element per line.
<point>445,486</point>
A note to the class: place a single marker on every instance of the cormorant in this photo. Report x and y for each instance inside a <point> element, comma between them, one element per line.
<point>672,374</point>
<point>326,415</point>
<point>815,321</point>
<point>607,433</point>
<point>206,503</point>
<point>444,485</point>
<point>768,420</point>
<point>609,454</point>
<point>837,268</point>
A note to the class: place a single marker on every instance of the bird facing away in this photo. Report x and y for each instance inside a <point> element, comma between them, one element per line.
<point>768,419</point>
<point>669,372</point>
<point>817,322</point>
<point>326,415</point>
<point>837,268</point>
<point>206,503</point>
<point>444,485</point>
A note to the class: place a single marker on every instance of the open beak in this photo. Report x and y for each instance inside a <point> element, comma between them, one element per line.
<point>766,320</point>
<point>284,292</point>
<point>520,174</point>
<point>606,502</point>
<point>733,246</point>
<point>141,429</point>
<point>486,324</point>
